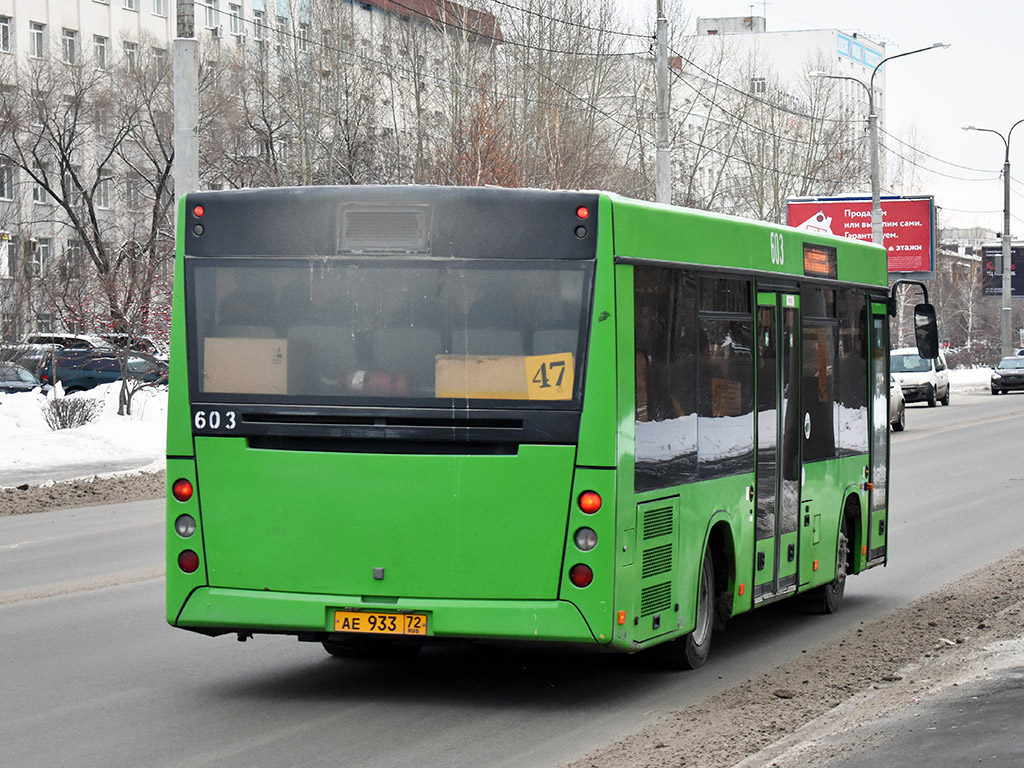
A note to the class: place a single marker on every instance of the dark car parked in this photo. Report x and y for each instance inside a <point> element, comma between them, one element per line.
<point>1008,375</point>
<point>15,378</point>
<point>79,369</point>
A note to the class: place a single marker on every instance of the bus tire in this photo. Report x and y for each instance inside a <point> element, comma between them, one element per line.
<point>691,651</point>
<point>371,648</point>
<point>830,596</point>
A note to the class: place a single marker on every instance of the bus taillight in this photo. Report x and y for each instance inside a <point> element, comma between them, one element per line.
<point>582,212</point>
<point>188,561</point>
<point>182,489</point>
<point>589,502</point>
<point>580,575</point>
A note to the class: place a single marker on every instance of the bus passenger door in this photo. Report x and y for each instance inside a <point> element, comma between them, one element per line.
<point>777,505</point>
<point>879,435</point>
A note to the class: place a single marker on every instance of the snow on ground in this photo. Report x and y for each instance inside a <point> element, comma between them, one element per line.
<point>27,443</point>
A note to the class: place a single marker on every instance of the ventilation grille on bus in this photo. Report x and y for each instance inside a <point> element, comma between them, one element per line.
<point>657,522</point>
<point>656,598</point>
<point>656,561</point>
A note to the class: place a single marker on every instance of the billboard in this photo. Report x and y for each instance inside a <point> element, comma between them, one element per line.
<point>992,271</point>
<point>907,225</point>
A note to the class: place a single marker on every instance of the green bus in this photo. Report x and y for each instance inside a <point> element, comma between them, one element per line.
<point>404,415</point>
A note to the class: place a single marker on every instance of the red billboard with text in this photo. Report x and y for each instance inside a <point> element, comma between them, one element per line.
<point>907,225</point>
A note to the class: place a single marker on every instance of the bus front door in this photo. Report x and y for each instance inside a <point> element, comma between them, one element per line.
<point>777,506</point>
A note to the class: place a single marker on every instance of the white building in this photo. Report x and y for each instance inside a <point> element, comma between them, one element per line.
<point>733,66</point>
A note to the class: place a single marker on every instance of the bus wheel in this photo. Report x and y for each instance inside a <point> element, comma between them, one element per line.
<point>832,593</point>
<point>371,648</point>
<point>691,651</point>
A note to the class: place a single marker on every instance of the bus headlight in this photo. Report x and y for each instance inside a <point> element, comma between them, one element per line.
<point>585,538</point>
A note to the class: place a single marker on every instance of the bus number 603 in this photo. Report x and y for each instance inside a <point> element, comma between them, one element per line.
<point>214,420</point>
<point>778,251</point>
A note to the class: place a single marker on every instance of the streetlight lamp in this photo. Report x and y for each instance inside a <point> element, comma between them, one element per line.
<point>1007,313</point>
<point>876,192</point>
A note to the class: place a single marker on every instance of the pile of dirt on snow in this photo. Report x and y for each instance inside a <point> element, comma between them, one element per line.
<point>26,499</point>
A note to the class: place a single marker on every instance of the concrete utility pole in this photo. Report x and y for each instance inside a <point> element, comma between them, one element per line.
<point>1006,342</point>
<point>186,101</point>
<point>663,158</point>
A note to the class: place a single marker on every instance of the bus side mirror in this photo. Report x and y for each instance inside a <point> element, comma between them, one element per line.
<point>926,331</point>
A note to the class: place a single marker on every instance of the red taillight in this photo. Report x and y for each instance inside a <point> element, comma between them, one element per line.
<point>580,575</point>
<point>589,502</point>
<point>188,561</point>
<point>182,489</point>
<point>582,212</point>
<point>198,211</point>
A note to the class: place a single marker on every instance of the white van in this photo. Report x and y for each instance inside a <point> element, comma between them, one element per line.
<point>920,378</point>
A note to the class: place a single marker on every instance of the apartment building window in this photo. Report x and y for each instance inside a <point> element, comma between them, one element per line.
<point>758,86</point>
<point>73,260</point>
<point>303,37</point>
<point>212,15</point>
<point>102,196</point>
<point>38,190</point>
<point>6,182</point>
<point>133,192</point>
<point>99,52</point>
<point>36,40</point>
<point>5,34</point>
<point>259,19</point>
<point>159,7</point>
<point>237,26</point>
<point>69,42</point>
<point>40,253</point>
<point>131,55</point>
<point>160,60</point>
<point>130,5</point>
<point>72,189</point>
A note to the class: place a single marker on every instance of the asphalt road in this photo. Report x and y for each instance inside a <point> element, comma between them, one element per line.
<point>92,675</point>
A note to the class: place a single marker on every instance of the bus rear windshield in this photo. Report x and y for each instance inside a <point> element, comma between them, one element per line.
<point>373,330</point>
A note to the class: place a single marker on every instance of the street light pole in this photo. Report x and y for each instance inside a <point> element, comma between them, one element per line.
<point>876,185</point>
<point>1007,312</point>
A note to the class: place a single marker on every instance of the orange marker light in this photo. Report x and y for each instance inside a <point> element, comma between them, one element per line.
<point>815,565</point>
<point>742,589</point>
<point>864,549</point>
<point>622,617</point>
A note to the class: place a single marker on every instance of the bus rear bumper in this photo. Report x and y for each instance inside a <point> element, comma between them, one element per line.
<point>215,610</point>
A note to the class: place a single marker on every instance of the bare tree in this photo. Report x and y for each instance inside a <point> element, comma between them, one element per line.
<point>94,145</point>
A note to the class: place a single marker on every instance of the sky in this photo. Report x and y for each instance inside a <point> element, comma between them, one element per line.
<point>28,445</point>
<point>930,95</point>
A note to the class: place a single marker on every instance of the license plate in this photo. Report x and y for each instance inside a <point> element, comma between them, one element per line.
<point>376,623</point>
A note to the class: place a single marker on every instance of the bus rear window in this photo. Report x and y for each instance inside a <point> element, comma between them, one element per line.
<point>383,329</point>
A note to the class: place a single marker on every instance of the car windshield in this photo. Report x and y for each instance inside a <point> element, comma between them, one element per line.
<point>909,363</point>
<point>1012,363</point>
<point>16,373</point>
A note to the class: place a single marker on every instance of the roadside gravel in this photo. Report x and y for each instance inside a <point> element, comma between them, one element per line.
<point>26,499</point>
